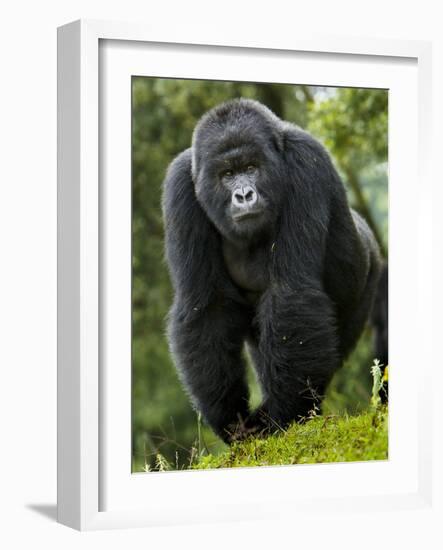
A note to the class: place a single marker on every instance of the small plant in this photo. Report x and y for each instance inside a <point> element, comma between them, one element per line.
<point>199,433</point>
<point>162,465</point>
<point>313,412</point>
<point>377,383</point>
<point>192,456</point>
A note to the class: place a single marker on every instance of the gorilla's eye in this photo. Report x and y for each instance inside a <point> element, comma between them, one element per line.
<point>251,168</point>
<point>227,174</point>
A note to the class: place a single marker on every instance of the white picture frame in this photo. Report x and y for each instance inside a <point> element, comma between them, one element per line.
<point>95,487</point>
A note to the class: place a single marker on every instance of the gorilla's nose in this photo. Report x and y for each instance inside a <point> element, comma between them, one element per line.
<point>244,197</point>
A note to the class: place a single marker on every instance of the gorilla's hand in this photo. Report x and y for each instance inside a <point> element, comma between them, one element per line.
<point>257,424</point>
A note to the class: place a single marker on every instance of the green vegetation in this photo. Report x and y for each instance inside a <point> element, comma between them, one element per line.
<point>353,125</point>
<point>321,439</point>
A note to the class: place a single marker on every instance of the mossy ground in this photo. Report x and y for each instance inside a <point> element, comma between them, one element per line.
<point>321,439</point>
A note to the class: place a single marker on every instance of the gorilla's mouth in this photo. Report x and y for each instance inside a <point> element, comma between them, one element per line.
<point>247,215</point>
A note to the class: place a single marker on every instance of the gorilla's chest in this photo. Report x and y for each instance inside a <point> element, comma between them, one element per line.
<point>248,267</point>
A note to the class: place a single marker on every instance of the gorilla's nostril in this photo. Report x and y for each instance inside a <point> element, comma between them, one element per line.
<point>244,197</point>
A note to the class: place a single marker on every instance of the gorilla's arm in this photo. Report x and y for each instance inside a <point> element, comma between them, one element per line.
<point>206,331</point>
<point>299,347</point>
<point>297,353</point>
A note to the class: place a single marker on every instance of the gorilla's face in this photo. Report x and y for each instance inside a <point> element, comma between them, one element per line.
<point>237,169</point>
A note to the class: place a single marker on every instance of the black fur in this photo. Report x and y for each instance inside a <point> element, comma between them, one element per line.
<point>295,281</point>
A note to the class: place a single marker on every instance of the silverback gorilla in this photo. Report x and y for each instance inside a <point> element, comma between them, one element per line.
<point>262,249</point>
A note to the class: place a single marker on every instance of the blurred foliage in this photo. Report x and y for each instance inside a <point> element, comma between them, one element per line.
<point>352,123</point>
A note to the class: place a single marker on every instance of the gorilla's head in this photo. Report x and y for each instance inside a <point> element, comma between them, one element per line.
<point>237,168</point>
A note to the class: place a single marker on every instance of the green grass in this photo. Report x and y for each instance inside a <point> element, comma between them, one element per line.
<point>330,437</point>
<point>321,439</point>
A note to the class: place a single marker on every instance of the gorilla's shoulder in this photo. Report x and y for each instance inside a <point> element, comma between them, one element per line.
<point>298,140</point>
<point>177,185</point>
<point>179,174</point>
<point>181,164</point>
<point>293,134</point>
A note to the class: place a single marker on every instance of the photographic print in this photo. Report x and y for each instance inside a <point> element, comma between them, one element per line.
<point>259,274</point>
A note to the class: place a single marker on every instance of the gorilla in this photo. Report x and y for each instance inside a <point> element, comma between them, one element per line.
<point>263,250</point>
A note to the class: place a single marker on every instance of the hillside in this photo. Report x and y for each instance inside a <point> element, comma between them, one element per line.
<point>321,439</point>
